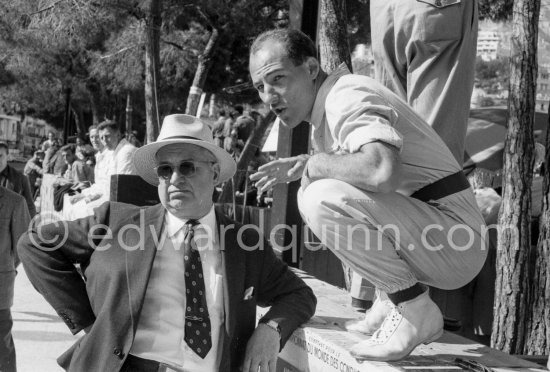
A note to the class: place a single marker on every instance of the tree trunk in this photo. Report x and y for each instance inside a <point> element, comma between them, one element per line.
<point>129,111</point>
<point>538,324</point>
<point>205,61</point>
<point>254,142</point>
<point>333,51</point>
<point>79,120</point>
<point>153,22</point>
<point>94,92</point>
<point>512,292</point>
<point>333,38</point>
<point>67,117</point>
<point>212,106</point>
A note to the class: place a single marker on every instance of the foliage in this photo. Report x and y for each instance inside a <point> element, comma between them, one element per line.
<point>493,76</point>
<point>96,48</point>
<point>493,69</point>
<point>496,10</point>
<point>358,14</point>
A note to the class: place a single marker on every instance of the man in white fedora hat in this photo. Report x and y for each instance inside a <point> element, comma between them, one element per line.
<point>174,285</point>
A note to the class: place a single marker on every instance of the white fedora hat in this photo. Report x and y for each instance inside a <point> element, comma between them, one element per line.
<point>180,128</point>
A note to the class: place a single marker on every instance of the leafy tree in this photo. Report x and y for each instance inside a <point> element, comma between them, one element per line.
<point>495,9</point>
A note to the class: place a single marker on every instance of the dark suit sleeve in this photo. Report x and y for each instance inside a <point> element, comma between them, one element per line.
<point>292,301</point>
<point>27,194</point>
<point>20,220</point>
<point>49,254</point>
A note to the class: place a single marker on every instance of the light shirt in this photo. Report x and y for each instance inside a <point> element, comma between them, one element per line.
<point>353,110</point>
<point>122,160</point>
<point>101,174</point>
<point>78,171</point>
<point>108,163</point>
<point>161,326</point>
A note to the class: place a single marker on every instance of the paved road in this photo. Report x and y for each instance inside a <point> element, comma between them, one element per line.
<point>39,335</point>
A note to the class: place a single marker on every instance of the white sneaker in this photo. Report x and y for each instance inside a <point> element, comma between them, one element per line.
<point>408,325</point>
<point>374,317</point>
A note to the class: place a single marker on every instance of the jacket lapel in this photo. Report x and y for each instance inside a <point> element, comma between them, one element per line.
<point>234,266</point>
<point>139,262</point>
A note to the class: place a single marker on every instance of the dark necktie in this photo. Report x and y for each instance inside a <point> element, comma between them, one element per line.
<point>197,321</point>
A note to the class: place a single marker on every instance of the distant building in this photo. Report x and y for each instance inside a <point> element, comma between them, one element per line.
<point>543,87</point>
<point>9,130</point>
<point>362,60</point>
<point>34,131</point>
<point>488,45</point>
<point>22,136</point>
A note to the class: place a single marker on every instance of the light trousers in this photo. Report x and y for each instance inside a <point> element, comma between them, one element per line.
<point>426,54</point>
<point>395,241</point>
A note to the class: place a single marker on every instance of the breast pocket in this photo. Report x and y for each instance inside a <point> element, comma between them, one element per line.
<point>440,3</point>
<point>440,19</point>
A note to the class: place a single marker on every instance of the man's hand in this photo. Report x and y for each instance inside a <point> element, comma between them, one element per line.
<point>262,350</point>
<point>279,171</point>
<point>91,198</point>
<point>76,198</point>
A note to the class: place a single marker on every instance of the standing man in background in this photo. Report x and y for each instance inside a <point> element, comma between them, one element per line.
<point>425,52</point>
<point>14,221</point>
<point>14,180</point>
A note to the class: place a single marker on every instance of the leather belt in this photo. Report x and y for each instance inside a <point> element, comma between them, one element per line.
<point>446,186</point>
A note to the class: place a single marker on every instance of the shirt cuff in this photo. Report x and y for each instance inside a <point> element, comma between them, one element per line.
<point>376,132</point>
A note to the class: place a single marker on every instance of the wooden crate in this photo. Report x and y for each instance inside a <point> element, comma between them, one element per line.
<point>322,344</point>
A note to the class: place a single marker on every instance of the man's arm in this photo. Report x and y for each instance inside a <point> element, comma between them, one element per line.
<point>81,173</point>
<point>27,194</point>
<point>30,166</point>
<point>124,160</point>
<point>292,301</point>
<point>375,167</point>
<point>292,304</point>
<point>20,220</point>
<point>49,254</point>
<point>362,124</point>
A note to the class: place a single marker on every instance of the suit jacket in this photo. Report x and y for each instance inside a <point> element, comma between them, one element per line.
<point>19,183</point>
<point>111,296</point>
<point>14,221</point>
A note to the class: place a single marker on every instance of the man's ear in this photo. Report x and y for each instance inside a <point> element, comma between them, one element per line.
<point>313,67</point>
<point>216,169</point>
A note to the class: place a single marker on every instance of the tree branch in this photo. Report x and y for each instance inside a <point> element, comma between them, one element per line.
<point>201,14</point>
<point>46,8</point>
<point>121,51</point>
<point>182,48</point>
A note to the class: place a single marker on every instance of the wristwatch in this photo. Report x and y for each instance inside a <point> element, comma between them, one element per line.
<point>271,324</point>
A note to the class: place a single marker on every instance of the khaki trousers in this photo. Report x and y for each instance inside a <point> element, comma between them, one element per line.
<point>426,54</point>
<point>395,241</point>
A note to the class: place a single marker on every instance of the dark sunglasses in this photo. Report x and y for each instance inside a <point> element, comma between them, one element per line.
<point>186,168</point>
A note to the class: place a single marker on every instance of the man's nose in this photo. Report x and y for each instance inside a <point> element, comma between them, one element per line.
<point>176,177</point>
<point>271,97</point>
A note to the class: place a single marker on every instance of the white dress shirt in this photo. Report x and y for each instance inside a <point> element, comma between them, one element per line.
<point>122,160</point>
<point>108,163</point>
<point>101,174</point>
<point>160,330</point>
